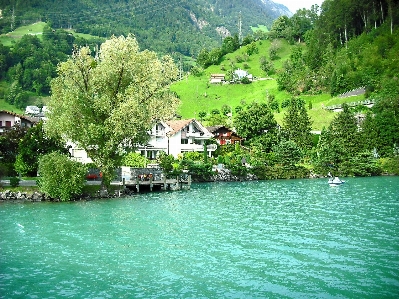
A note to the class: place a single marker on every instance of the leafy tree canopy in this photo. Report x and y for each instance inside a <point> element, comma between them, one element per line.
<point>255,120</point>
<point>109,102</point>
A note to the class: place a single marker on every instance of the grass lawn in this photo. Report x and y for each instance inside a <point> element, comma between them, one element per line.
<point>5,106</point>
<point>197,94</point>
<point>33,29</point>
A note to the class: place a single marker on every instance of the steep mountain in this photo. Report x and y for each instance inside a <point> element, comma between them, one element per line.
<point>165,26</point>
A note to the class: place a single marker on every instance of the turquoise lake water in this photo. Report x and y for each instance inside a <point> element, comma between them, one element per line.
<point>269,239</point>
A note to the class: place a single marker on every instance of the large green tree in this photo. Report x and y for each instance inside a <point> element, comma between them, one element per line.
<point>297,124</point>
<point>380,130</point>
<point>107,103</point>
<point>9,141</point>
<point>32,146</point>
<point>257,119</point>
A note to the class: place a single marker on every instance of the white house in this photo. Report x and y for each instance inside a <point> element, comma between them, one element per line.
<point>9,119</point>
<point>172,137</point>
<point>216,78</point>
<point>175,137</point>
<point>32,110</point>
<point>240,74</point>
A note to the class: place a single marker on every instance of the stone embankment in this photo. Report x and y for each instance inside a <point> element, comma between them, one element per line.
<point>224,175</point>
<point>36,196</point>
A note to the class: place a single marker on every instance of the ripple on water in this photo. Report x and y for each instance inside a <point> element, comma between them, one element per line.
<point>272,239</point>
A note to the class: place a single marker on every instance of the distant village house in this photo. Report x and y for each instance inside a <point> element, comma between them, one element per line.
<point>217,78</point>
<point>9,119</point>
<point>224,135</point>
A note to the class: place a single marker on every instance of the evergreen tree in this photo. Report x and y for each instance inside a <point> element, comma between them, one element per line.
<point>345,130</point>
<point>297,124</point>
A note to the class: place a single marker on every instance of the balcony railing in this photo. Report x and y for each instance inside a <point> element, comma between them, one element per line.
<point>158,133</point>
<point>195,134</point>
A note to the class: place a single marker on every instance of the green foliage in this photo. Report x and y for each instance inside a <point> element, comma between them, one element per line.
<point>389,165</point>
<point>297,124</point>
<point>274,49</point>
<point>60,177</point>
<point>200,172</point>
<point>265,172</point>
<point>14,181</point>
<point>32,146</point>
<point>252,49</point>
<point>113,99</point>
<point>166,162</point>
<point>380,130</point>
<point>133,159</point>
<point>255,120</point>
<point>288,153</point>
<point>9,141</point>
<point>202,115</point>
<point>266,66</point>
<point>362,164</point>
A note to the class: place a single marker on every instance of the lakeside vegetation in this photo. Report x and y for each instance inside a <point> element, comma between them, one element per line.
<point>275,115</point>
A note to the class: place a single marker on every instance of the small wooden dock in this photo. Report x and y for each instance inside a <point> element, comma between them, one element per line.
<point>164,184</point>
<point>150,179</point>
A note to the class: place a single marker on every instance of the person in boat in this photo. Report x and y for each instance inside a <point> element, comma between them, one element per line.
<point>336,180</point>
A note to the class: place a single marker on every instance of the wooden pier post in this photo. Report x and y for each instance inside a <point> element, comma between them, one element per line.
<point>151,185</point>
<point>189,181</point>
<point>137,185</point>
<point>164,183</point>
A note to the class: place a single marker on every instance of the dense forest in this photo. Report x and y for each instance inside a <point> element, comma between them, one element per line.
<point>180,26</point>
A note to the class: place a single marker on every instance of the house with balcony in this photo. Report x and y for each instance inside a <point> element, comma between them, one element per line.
<point>172,137</point>
<point>224,135</point>
<point>9,119</point>
<point>175,137</point>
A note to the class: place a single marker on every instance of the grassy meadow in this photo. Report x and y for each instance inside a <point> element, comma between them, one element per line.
<point>197,94</point>
<point>33,29</point>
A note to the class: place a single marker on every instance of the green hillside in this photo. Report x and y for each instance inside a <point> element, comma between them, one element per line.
<point>197,94</point>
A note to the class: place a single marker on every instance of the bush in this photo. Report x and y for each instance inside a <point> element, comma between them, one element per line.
<point>134,160</point>
<point>200,172</point>
<point>14,181</point>
<point>60,177</point>
<point>389,165</point>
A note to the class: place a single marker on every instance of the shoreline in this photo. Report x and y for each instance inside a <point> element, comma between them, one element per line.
<point>36,196</point>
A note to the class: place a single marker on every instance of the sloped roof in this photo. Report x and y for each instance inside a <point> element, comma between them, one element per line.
<point>214,128</point>
<point>177,125</point>
<point>28,118</point>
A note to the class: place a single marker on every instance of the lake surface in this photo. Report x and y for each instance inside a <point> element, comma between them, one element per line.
<point>269,239</point>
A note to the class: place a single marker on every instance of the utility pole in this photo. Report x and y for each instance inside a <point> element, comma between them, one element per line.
<point>239,29</point>
<point>180,69</point>
<point>13,18</point>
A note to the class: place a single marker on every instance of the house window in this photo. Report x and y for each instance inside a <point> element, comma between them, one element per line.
<point>184,141</point>
<point>1,123</point>
<point>8,123</point>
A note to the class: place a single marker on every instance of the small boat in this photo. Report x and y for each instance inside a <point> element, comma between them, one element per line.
<point>336,181</point>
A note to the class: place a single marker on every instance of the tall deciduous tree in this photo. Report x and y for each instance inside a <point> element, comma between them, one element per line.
<point>255,121</point>
<point>108,102</point>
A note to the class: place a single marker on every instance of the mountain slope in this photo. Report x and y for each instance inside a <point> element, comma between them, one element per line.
<point>166,26</point>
